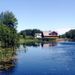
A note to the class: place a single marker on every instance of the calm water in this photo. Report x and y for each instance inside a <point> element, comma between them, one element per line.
<point>39,59</point>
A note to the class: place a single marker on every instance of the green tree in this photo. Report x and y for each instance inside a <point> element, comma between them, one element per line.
<point>8,32</point>
<point>8,19</point>
<point>35,31</point>
<point>70,34</point>
<point>30,32</point>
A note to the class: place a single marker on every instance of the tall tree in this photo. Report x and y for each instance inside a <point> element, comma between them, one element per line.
<point>8,32</point>
<point>9,19</point>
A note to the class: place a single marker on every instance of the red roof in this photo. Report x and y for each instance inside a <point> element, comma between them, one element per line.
<point>49,33</point>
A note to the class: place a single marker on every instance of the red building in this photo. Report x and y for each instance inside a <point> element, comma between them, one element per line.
<point>50,34</point>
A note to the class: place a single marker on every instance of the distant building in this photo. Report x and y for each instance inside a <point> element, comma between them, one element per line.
<point>47,34</point>
<point>50,34</point>
<point>38,35</point>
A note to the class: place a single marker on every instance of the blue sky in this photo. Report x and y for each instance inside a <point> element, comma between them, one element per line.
<point>58,15</point>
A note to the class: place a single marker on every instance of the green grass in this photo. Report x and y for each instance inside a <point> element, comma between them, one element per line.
<point>34,40</point>
<point>28,40</point>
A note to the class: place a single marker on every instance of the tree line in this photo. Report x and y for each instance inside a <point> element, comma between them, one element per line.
<point>8,30</point>
<point>70,35</point>
<point>30,32</point>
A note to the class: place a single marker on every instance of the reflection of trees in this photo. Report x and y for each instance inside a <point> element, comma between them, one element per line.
<point>49,44</point>
<point>34,44</point>
<point>43,44</point>
<point>7,58</point>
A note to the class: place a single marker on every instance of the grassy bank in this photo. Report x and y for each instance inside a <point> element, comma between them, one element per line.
<point>28,40</point>
<point>35,40</point>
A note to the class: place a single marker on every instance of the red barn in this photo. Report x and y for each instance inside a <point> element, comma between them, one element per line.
<point>50,34</point>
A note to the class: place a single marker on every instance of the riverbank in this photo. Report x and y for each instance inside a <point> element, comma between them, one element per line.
<point>35,40</point>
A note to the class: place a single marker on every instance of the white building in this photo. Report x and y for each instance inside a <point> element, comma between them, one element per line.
<point>38,35</point>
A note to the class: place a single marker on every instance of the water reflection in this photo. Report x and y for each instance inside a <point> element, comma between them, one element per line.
<point>22,48</point>
<point>42,44</point>
<point>50,44</point>
<point>34,44</point>
<point>7,58</point>
<point>58,60</point>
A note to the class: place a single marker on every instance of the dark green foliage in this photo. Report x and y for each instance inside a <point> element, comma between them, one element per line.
<point>26,32</point>
<point>7,18</point>
<point>30,32</point>
<point>70,35</point>
<point>35,31</point>
<point>8,36</point>
<point>8,33</point>
<point>62,36</point>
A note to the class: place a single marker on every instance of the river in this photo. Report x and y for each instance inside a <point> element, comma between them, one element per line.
<point>39,59</point>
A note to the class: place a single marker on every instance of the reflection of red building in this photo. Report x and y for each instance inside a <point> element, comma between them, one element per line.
<point>50,44</point>
<point>49,34</point>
